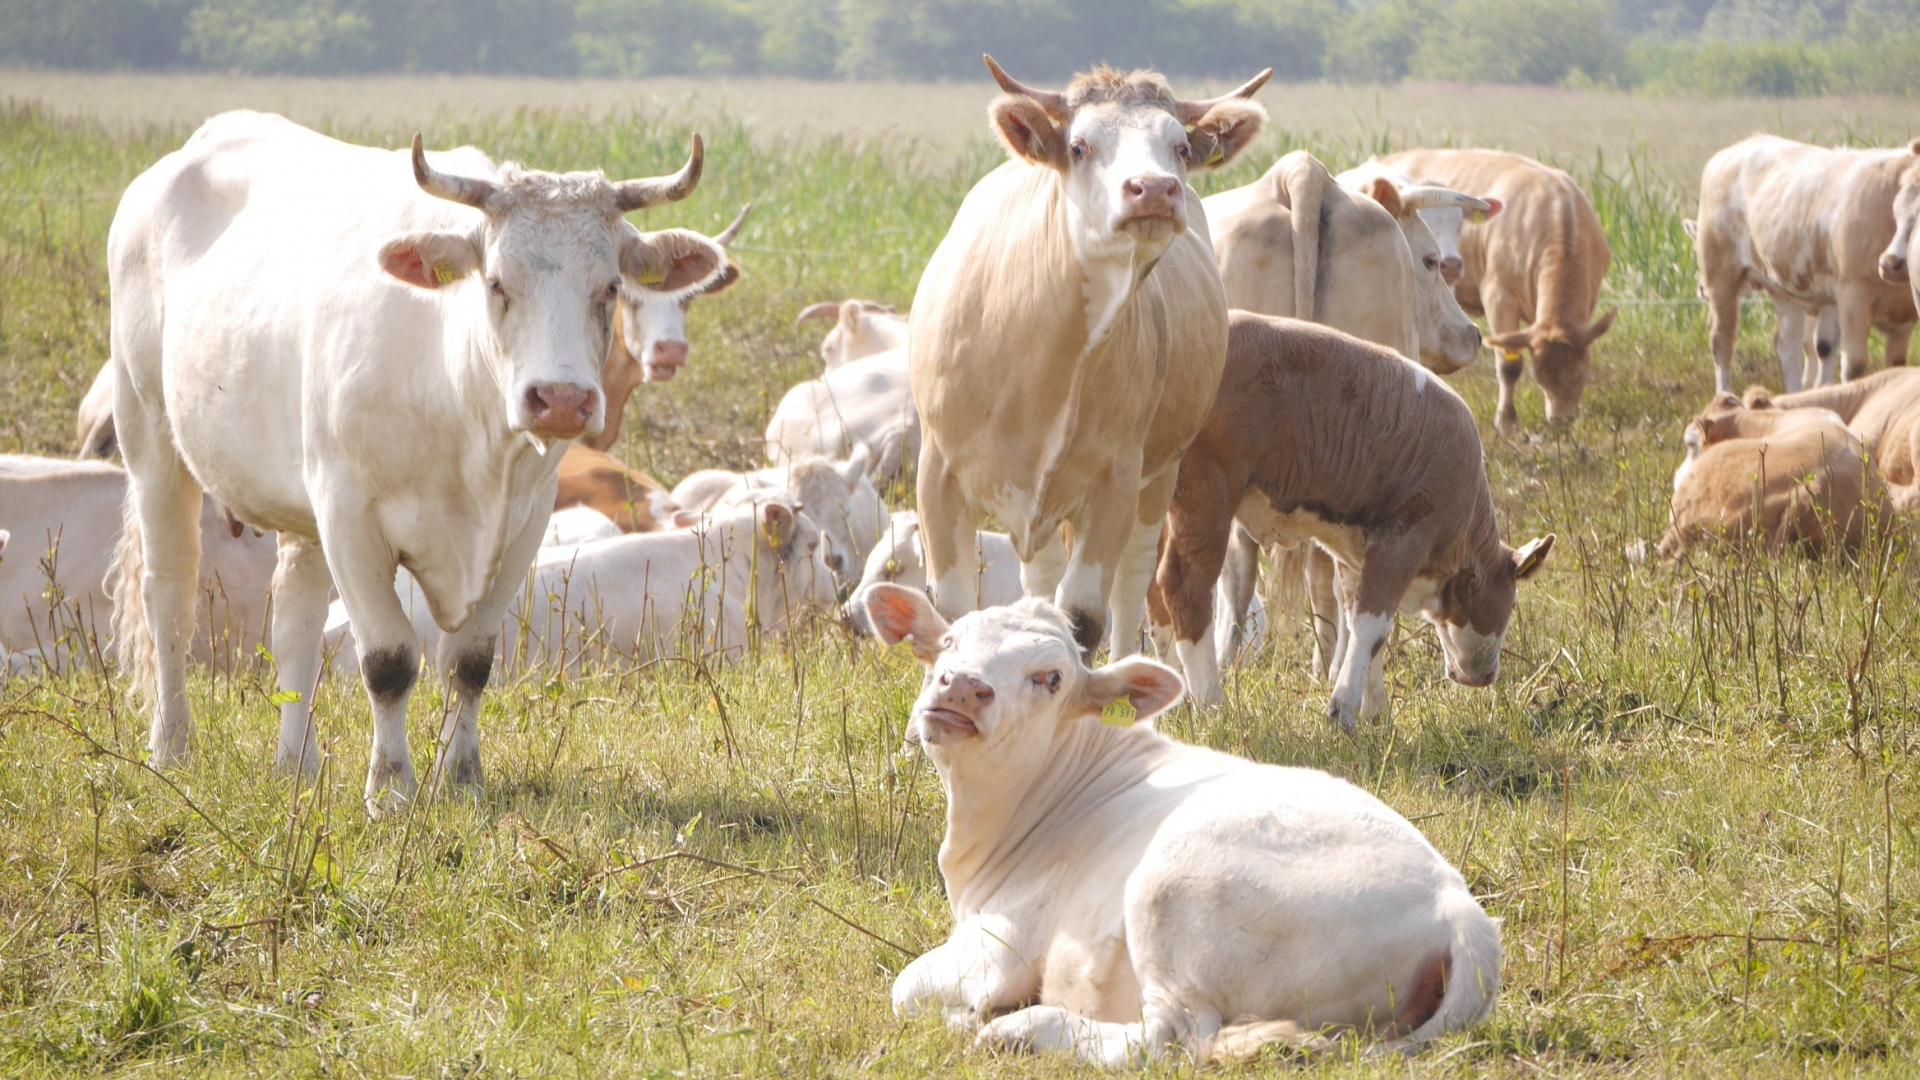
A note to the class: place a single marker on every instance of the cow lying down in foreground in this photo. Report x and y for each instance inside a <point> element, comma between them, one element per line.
<point>1323,437</point>
<point>1772,478</point>
<point>1118,894</point>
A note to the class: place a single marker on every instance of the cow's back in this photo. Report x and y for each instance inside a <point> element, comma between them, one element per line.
<point>1548,238</point>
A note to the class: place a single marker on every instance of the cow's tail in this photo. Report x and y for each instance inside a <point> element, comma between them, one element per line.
<point>133,644</point>
<point>1304,182</point>
<point>1472,983</point>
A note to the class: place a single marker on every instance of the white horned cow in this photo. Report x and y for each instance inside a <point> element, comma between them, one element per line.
<point>1123,896</point>
<point>1444,217</point>
<point>647,324</point>
<point>377,354</point>
<point>1535,271</point>
<point>860,328</point>
<point>862,405</point>
<point>1809,226</point>
<point>1066,339</point>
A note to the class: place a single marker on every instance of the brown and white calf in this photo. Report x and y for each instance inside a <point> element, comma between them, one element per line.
<point>1809,226</point>
<point>1777,478</point>
<point>1535,270</point>
<point>1320,436</point>
<point>1883,412</point>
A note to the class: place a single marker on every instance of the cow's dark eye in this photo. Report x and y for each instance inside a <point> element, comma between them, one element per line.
<point>1432,262</point>
<point>612,291</point>
<point>1048,681</point>
<point>1184,150</point>
<point>1078,148</point>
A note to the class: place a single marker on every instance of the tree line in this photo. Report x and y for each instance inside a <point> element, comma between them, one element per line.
<point>1767,47</point>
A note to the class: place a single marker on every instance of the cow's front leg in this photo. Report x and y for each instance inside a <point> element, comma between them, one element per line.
<point>466,659</point>
<point>1790,343</point>
<point>1100,535</point>
<point>948,536</point>
<point>1897,339</point>
<point>974,975</point>
<point>300,584</point>
<point>1856,326</point>
<point>363,566</point>
<point>1368,600</point>
<point>1127,604</point>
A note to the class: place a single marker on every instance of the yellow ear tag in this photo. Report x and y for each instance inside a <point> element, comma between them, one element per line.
<point>1119,713</point>
<point>1511,356</point>
<point>776,536</point>
<point>1219,155</point>
<point>653,277</point>
<point>444,274</point>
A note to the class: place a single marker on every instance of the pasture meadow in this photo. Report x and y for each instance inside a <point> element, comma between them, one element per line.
<point>1690,797</point>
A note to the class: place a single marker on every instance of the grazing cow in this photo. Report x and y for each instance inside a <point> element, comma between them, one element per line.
<point>837,496</point>
<point>1810,226</point>
<point>685,591</point>
<point>1534,271</point>
<point>864,404</point>
<point>1066,339</point>
<point>55,592</point>
<point>1443,217</point>
<point>861,328</point>
<point>1296,243</point>
<point>899,558</point>
<point>1121,895</point>
<point>578,525</point>
<point>1775,477</point>
<point>593,478</point>
<point>649,342</point>
<point>1883,412</point>
<point>1320,436</point>
<point>374,353</point>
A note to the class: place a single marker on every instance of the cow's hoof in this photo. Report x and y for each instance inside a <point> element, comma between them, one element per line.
<point>390,786</point>
<point>1039,1027</point>
<point>1344,715</point>
<point>459,770</point>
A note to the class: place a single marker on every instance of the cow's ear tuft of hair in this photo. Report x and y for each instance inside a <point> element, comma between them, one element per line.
<point>1028,132</point>
<point>1226,129</point>
<point>429,260</point>
<point>899,614</point>
<point>1531,556</point>
<point>1150,687</point>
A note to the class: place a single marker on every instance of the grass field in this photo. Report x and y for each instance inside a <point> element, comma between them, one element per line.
<point>1691,798</point>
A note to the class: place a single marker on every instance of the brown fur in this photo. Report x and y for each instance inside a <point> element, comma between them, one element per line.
<point>1535,270</point>
<point>1882,410</point>
<point>1315,421</point>
<point>597,479</point>
<point>1777,481</point>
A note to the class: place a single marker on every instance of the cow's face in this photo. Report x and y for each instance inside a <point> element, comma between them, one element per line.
<point>653,331</point>
<point>1562,362</point>
<point>1000,682</point>
<point>1897,260</point>
<point>896,559</point>
<point>1449,340</point>
<point>1473,609</point>
<point>792,543</point>
<point>540,274</point>
<point>1124,146</point>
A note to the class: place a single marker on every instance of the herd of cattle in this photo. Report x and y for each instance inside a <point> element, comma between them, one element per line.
<point>383,387</point>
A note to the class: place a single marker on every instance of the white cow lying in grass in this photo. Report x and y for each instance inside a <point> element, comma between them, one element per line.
<point>899,558</point>
<point>679,592</point>
<point>1117,893</point>
<point>837,496</point>
<point>861,328</point>
<point>578,525</point>
<point>65,515</point>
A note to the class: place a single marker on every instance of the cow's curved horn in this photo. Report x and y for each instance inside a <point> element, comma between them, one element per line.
<point>631,195</point>
<point>1430,197</point>
<point>1190,112</point>
<point>1053,101</point>
<point>460,189</point>
<point>825,309</point>
<point>732,232</point>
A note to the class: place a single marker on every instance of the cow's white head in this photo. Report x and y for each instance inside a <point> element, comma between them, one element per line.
<point>1474,607</point>
<point>1125,146</point>
<point>861,328</point>
<point>1449,340</point>
<point>1001,682</point>
<point>1896,262</point>
<point>543,269</point>
<point>653,324</point>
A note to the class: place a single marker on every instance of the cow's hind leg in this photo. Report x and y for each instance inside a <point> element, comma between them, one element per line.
<point>300,584</point>
<point>1898,337</point>
<point>1789,343</point>
<point>1163,1025</point>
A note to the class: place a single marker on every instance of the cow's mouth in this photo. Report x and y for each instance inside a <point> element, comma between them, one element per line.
<point>1153,224</point>
<point>937,722</point>
<point>662,372</point>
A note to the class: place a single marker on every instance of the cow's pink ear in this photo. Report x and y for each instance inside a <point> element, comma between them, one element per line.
<point>1494,206</point>
<point>1387,194</point>
<point>727,278</point>
<point>1531,556</point>
<point>1027,130</point>
<point>685,519</point>
<point>671,260</point>
<point>1914,147</point>
<point>901,614</point>
<point>430,260</point>
<point>1224,131</point>
<point>1150,687</point>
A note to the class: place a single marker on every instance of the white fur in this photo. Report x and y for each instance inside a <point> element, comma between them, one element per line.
<point>863,403</point>
<point>838,496</point>
<point>577,525</point>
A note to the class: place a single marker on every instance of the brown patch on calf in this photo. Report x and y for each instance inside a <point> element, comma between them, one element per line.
<point>597,479</point>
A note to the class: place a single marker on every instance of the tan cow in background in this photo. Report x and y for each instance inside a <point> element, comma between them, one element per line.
<point>1883,412</point>
<point>1810,227</point>
<point>1534,271</point>
<point>1066,340</point>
